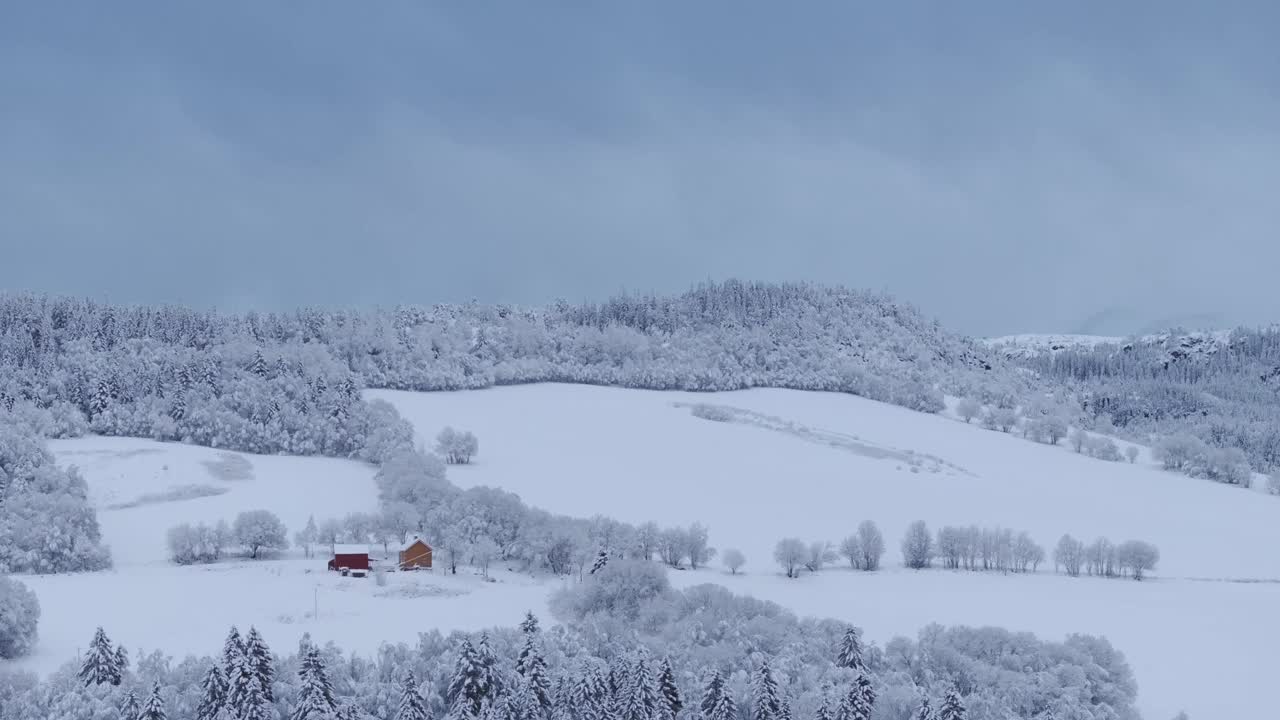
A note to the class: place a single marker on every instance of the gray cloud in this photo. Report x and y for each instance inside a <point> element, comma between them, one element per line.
<point>1102,170</point>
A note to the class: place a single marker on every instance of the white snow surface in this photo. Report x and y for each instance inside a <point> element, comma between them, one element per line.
<point>632,454</point>
<point>812,465</point>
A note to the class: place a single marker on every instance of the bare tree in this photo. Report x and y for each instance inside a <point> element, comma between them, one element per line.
<point>1131,453</point>
<point>820,553</point>
<point>790,553</point>
<point>917,546</point>
<point>1137,558</point>
<point>1069,555</point>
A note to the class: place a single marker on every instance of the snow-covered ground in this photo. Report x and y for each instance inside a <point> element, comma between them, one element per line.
<point>812,465</point>
<point>147,603</point>
<point>634,455</point>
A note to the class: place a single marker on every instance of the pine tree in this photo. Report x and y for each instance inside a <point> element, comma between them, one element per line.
<point>868,693</point>
<point>468,686</point>
<point>258,366</point>
<point>525,704</point>
<point>248,699</point>
<point>130,709</point>
<point>529,626</point>
<point>638,695</point>
<point>120,666</point>
<point>232,649</point>
<point>489,662</point>
<point>588,695</point>
<point>667,690</point>
<point>100,400</point>
<point>717,701</point>
<point>824,709</point>
<point>952,708</point>
<point>602,559</point>
<point>178,409</point>
<point>533,669</point>
<point>412,706</point>
<point>154,709</point>
<point>259,655</point>
<point>850,653</point>
<point>213,696</point>
<point>765,703</point>
<point>926,711</point>
<point>854,706</point>
<point>315,692</point>
<point>99,667</point>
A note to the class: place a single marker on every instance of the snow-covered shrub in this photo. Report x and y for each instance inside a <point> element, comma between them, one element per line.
<point>1273,483</point>
<point>1102,448</point>
<point>715,413</point>
<point>19,615</point>
<point>200,543</point>
<point>1131,453</point>
<point>1179,452</point>
<point>917,546</point>
<point>259,531</point>
<point>1002,419</point>
<point>733,559</point>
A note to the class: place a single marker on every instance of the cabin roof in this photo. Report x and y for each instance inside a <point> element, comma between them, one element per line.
<point>415,541</point>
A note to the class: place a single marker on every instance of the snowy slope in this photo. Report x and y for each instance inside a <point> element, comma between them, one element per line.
<point>633,454</point>
<point>147,603</point>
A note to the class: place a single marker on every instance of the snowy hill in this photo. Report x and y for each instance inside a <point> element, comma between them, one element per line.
<point>784,463</point>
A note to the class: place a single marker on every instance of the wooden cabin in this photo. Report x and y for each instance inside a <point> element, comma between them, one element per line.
<point>350,559</point>
<point>415,554</point>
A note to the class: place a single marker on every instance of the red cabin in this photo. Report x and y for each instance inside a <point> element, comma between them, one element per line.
<point>350,557</point>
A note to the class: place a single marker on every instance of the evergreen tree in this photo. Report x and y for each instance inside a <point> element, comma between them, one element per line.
<point>926,711</point>
<point>248,700</point>
<point>412,706</point>
<point>213,697</point>
<point>602,559</point>
<point>533,669</point>
<point>854,705</point>
<point>588,696</point>
<point>638,696</point>
<point>952,708</point>
<point>100,399</point>
<point>489,663</point>
<point>468,687</point>
<point>120,666</point>
<point>260,660</point>
<point>868,693</point>
<point>232,649</point>
<point>99,667</point>
<point>258,366</point>
<point>154,709</point>
<point>849,654</point>
<point>525,703</point>
<point>315,692</point>
<point>824,709</point>
<point>529,626</point>
<point>667,690</point>
<point>129,707</point>
<point>717,701</point>
<point>765,702</point>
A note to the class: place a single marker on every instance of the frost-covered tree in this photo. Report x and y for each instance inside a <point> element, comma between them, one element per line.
<point>1131,453</point>
<point>307,536</point>
<point>257,657</point>
<point>917,546</point>
<point>733,559</point>
<point>457,448</point>
<point>871,543</point>
<point>100,666</point>
<point>952,707</point>
<point>19,617</point>
<point>411,706</point>
<point>1069,555</point>
<point>925,712</point>
<point>968,409</point>
<point>790,554</point>
<point>531,666</point>
<point>1137,558</point>
<point>259,531</point>
<point>819,554</point>
<point>637,691</point>
<point>697,547</point>
<point>130,706</point>
<point>602,559</point>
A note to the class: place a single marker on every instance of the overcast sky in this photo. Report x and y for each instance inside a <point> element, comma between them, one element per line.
<point>1102,167</point>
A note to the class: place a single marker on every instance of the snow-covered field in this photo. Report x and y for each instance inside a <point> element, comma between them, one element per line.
<point>632,454</point>
<point>811,465</point>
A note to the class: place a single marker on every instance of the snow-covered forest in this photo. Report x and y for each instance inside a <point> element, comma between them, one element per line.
<point>628,647</point>
<point>1223,389</point>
